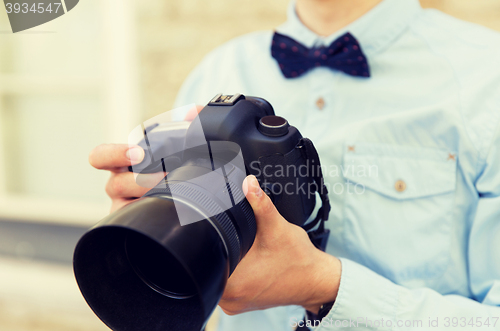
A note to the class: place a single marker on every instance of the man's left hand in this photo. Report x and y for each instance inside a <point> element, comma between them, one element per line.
<point>282,268</point>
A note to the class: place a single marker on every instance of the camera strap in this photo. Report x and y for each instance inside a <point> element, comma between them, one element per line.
<point>305,153</point>
<point>319,236</point>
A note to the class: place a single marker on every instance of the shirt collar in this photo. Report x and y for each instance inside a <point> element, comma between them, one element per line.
<point>374,30</point>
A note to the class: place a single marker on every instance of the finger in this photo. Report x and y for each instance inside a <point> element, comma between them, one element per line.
<point>149,180</point>
<point>119,203</point>
<point>228,312</point>
<point>266,214</point>
<point>112,156</point>
<point>123,185</point>
<point>193,112</point>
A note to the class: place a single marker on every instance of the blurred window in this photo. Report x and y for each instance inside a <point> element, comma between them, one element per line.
<point>65,87</point>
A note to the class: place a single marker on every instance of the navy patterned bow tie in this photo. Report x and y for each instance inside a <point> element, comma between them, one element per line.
<point>295,59</point>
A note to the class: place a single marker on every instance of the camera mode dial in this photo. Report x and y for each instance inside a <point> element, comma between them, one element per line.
<point>273,126</point>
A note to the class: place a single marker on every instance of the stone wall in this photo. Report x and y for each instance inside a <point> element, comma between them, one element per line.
<point>175,35</point>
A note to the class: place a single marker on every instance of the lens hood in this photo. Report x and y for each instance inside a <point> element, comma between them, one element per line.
<point>139,269</point>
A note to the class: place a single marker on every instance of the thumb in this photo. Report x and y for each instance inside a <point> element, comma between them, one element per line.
<point>266,214</point>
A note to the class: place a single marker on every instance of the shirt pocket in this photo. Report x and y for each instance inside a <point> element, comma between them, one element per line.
<point>398,206</point>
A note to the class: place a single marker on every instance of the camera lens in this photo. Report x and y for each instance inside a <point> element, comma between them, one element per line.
<point>162,262</point>
<point>140,269</point>
<point>158,268</point>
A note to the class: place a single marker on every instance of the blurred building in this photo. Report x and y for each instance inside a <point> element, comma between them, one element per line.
<point>87,78</point>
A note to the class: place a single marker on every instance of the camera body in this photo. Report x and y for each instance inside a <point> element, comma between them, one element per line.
<point>162,261</point>
<point>269,146</point>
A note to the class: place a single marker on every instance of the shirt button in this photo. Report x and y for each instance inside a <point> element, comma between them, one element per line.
<point>320,103</point>
<point>400,186</point>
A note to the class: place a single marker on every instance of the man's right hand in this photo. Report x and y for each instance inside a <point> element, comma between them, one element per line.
<point>121,187</point>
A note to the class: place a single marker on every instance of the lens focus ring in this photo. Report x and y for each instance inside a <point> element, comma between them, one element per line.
<point>205,201</point>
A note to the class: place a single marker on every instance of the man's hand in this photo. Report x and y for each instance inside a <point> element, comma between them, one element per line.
<point>282,268</point>
<point>121,187</point>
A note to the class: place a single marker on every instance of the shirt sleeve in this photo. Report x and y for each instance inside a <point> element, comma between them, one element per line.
<point>367,300</point>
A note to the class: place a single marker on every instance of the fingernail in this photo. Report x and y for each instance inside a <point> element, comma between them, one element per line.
<point>245,186</point>
<point>135,154</point>
<point>254,186</point>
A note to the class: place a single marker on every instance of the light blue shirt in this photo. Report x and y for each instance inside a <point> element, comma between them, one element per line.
<point>411,157</point>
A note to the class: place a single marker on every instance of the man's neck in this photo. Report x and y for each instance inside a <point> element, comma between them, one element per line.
<point>325,17</point>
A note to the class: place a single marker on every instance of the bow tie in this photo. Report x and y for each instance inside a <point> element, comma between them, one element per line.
<point>295,59</point>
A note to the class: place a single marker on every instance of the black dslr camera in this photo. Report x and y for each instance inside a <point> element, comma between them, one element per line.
<point>162,262</point>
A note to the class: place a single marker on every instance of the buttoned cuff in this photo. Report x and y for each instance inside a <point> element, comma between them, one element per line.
<point>365,300</point>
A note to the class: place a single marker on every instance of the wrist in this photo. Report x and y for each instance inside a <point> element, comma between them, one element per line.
<point>323,282</point>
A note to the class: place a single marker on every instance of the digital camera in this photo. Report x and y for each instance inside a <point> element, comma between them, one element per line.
<point>162,261</point>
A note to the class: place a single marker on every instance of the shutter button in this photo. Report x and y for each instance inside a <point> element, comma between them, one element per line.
<point>273,126</point>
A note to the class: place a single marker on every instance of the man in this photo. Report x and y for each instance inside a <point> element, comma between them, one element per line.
<point>411,156</point>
